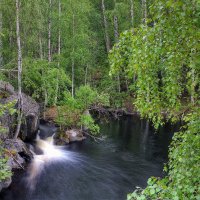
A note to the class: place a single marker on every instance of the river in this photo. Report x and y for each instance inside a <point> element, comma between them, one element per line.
<point>130,154</point>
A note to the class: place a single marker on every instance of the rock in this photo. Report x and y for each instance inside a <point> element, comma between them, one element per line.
<point>74,135</point>
<point>16,161</point>
<point>30,109</point>
<point>68,136</point>
<point>47,129</point>
<point>6,88</point>
<point>14,149</point>
<point>15,145</point>
<point>5,183</point>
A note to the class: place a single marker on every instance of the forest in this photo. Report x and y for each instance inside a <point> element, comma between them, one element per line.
<point>64,60</point>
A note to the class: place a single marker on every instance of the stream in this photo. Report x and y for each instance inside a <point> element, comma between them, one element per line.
<point>108,170</point>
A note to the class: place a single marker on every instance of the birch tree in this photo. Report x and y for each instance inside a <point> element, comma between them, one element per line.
<point>144,11</point>
<point>132,13</point>
<point>19,64</point>
<point>73,35</point>
<point>107,38</point>
<point>115,21</point>
<point>49,31</point>
<point>1,45</point>
<point>59,50</point>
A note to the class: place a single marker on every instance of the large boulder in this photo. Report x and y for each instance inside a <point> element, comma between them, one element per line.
<point>30,109</point>
<point>74,135</point>
<point>5,183</point>
<point>17,152</point>
<point>6,88</point>
<point>46,129</point>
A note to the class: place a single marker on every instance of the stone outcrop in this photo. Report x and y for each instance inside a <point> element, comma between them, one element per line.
<point>73,135</point>
<point>17,153</point>
<point>5,183</point>
<point>6,88</point>
<point>46,130</point>
<point>30,109</point>
<point>15,149</point>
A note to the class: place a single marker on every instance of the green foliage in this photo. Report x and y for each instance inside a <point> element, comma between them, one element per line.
<point>88,122</point>
<point>44,82</point>
<point>182,181</point>
<point>9,108</point>
<point>82,42</point>
<point>68,116</point>
<point>163,58</point>
<point>102,99</point>
<point>72,111</point>
<point>85,96</point>
<point>5,171</point>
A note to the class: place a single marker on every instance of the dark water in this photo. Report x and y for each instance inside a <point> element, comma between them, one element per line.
<point>129,155</point>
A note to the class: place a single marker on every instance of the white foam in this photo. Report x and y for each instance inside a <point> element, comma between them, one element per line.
<point>51,153</point>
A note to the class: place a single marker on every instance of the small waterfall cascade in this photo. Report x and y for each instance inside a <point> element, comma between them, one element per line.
<point>50,154</point>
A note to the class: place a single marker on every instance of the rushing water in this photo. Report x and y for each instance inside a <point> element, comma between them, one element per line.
<point>108,170</point>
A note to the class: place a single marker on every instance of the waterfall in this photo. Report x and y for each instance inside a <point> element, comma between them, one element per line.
<point>50,154</point>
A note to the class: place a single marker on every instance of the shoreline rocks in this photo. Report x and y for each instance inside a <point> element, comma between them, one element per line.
<point>30,110</point>
<point>18,154</point>
<point>72,135</point>
<point>6,183</point>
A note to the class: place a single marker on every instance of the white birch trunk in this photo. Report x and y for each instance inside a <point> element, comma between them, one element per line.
<point>132,13</point>
<point>107,38</point>
<point>59,33</point>
<point>19,118</point>
<point>116,35</point>
<point>1,44</point>
<point>144,10</point>
<point>59,50</point>
<point>73,27</point>
<point>49,32</point>
<point>41,49</point>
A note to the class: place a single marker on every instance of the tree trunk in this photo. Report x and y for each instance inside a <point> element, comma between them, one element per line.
<point>116,35</point>
<point>144,11</point>
<point>59,47</point>
<point>1,44</point>
<point>49,32</point>
<point>86,72</point>
<point>118,79</point>
<point>116,31</point>
<point>59,33</point>
<point>132,14</point>
<point>73,28</point>
<point>73,76</point>
<point>41,50</point>
<point>107,39</point>
<point>19,118</point>
<point>193,87</point>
